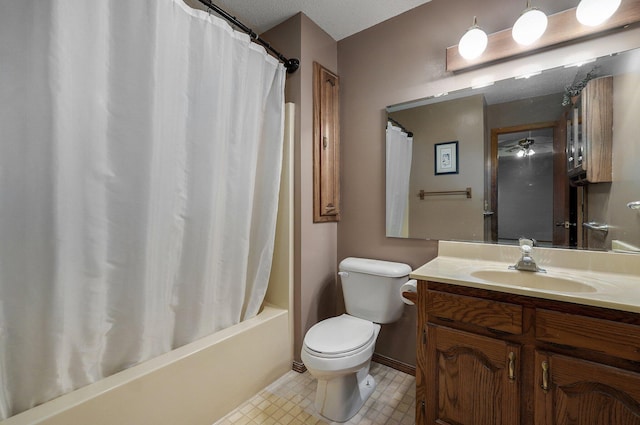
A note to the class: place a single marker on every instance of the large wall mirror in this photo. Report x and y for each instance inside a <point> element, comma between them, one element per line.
<point>491,163</point>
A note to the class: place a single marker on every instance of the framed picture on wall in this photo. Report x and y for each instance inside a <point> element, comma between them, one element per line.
<point>446,158</point>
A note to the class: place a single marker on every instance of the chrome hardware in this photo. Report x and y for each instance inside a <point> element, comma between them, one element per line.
<point>635,205</point>
<point>592,225</point>
<point>545,376</point>
<point>512,366</point>
<point>488,213</point>
<point>526,261</point>
<point>565,224</point>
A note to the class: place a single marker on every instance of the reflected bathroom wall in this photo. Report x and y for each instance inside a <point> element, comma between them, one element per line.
<point>607,202</point>
<point>460,120</point>
<point>510,106</point>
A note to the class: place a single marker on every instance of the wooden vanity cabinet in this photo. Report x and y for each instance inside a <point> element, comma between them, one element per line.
<point>489,358</point>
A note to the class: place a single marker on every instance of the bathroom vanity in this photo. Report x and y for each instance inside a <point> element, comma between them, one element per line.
<point>500,346</point>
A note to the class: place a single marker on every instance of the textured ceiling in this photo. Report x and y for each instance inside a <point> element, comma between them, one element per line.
<point>339,18</point>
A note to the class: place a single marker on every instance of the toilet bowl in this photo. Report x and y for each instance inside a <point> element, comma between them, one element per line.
<point>338,351</point>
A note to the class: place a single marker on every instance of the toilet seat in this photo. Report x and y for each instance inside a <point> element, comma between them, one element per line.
<point>339,336</point>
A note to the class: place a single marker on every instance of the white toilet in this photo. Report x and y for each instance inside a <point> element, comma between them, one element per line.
<point>338,351</point>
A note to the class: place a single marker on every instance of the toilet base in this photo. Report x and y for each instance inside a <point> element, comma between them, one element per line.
<point>340,398</point>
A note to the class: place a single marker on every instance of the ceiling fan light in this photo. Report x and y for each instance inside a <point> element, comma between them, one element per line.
<point>595,12</point>
<point>520,153</point>
<point>529,27</point>
<point>473,43</point>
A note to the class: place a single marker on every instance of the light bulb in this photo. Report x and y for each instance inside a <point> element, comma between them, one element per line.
<point>531,152</point>
<point>520,153</point>
<point>473,42</point>
<point>595,12</point>
<point>529,27</point>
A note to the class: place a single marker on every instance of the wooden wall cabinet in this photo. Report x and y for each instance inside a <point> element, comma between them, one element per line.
<point>326,145</point>
<point>488,358</point>
<point>590,133</point>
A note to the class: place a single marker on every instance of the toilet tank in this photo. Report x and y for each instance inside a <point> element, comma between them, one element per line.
<point>371,288</point>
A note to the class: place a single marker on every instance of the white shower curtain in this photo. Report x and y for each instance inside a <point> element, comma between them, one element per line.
<point>399,154</point>
<point>140,156</point>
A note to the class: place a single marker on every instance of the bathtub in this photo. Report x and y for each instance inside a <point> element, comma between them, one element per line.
<point>200,382</point>
<point>197,383</point>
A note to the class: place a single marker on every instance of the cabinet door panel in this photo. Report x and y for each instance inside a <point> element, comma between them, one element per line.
<point>585,393</point>
<point>476,379</point>
<point>326,152</point>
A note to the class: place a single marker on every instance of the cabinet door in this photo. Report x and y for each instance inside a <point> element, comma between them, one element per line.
<point>326,151</point>
<point>578,392</point>
<point>597,114</point>
<point>472,380</point>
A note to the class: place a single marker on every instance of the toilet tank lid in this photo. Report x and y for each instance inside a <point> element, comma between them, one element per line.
<point>374,267</point>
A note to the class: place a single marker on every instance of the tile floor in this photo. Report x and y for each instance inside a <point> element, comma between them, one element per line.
<point>289,400</point>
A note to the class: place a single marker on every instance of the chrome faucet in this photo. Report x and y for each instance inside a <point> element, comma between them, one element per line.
<point>526,261</point>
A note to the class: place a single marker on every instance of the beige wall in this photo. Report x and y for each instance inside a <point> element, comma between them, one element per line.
<point>532,110</point>
<point>315,260</point>
<point>452,216</point>
<point>393,62</point>
<point>397,61</point>
<point>607,202</point>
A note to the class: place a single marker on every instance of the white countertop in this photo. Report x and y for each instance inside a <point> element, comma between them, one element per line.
<point>612,280</point>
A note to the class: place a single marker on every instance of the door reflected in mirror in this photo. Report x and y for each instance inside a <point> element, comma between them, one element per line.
<point>533,194</point>
<point>512,139</point>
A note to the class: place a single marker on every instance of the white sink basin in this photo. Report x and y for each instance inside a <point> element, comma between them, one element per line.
<point>533,280</point>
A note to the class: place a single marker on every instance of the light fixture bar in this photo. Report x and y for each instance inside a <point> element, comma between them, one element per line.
<point>562,28</point>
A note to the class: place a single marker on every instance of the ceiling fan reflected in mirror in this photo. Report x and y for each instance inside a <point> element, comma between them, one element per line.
<point>523,146</point>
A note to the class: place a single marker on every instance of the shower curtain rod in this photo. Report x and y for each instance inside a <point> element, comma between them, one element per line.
<point>409,133</point>
<point>291,65</point>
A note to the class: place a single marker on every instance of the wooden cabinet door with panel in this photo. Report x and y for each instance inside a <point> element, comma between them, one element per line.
<point>326,145</point>
<point>571,391</point>
<point>473,379</point>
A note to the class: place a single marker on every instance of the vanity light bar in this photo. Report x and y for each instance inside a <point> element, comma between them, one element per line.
<point>562,27</point>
